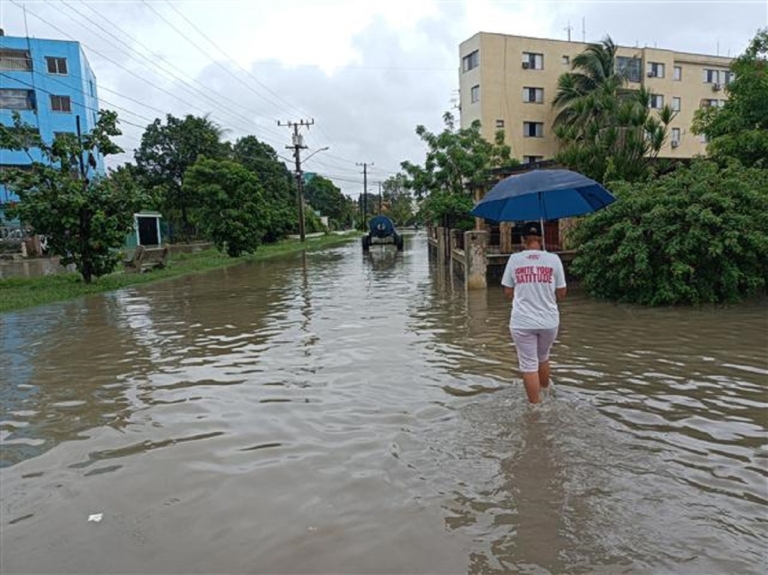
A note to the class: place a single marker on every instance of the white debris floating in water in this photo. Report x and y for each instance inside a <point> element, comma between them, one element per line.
<point>96,517</point>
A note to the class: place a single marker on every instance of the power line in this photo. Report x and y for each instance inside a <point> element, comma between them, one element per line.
<point>143,79</point>
<point>82,91</point>
<point>131,72</point>
<point>204,53</point>
<point>196,92</point>
<point>52,94</point>
<point>228,57</point>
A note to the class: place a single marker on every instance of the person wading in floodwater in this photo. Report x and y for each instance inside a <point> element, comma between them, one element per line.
<point>535,281</point>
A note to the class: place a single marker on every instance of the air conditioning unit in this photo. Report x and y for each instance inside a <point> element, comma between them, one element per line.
<point>674,143</point>
<point>651,74</point>
<point>526,65</point>
<point>705,104</point>
<point>717,87</point>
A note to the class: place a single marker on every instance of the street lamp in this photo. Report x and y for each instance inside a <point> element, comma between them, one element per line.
<point>300,179</point>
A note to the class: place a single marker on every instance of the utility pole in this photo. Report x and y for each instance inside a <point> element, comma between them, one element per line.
<point>297,146</point>
<point>365,187</point>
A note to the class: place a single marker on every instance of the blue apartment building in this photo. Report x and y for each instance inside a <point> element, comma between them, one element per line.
<point>49,83</point>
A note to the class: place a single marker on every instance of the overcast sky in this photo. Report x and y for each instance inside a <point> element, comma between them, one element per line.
<point>367,72</point>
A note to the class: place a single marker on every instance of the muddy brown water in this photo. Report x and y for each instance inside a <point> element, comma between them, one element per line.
<point>346,414</point>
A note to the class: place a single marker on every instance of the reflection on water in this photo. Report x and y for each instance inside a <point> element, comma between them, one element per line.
<point>350,412</point>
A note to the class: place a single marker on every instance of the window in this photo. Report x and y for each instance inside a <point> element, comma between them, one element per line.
<point>93,91</point>
<point>655,70</point>
<point>675,104</point>
<point>60,134</point>
<point>706,103</point>
<point>718,76</point>
<point>15,60</point>
<point>533,95</point>
<point>17,99</point>
<point>566,60</point>
<point>533,61</point>
<point>56,65</point>
<point>61,104</point>
<point>677,73</point>
<point>629,67</point>
<point>532,159</point>
<point>675,136</point>
<point>533,129</point>
<point>475,93</point>
<point>471,61</point>
<point>499,124</point>
<point>657,101</point>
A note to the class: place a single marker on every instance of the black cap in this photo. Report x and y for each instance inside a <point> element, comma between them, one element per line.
<point>532,229</point>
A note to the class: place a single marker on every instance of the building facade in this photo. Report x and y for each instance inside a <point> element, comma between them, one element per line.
<point>509,82</point>
<point>50,84</point>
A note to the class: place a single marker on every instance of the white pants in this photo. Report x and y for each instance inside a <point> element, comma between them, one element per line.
<point>533,346</point>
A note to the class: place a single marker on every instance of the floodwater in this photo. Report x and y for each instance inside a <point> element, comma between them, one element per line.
<point>347,414</point>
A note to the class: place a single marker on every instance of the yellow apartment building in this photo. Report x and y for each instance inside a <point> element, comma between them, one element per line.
<point>509,82</point>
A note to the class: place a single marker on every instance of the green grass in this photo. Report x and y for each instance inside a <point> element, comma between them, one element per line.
<point>20,293</point>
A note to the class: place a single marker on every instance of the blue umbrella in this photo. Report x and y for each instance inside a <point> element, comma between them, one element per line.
<point>542,195</point>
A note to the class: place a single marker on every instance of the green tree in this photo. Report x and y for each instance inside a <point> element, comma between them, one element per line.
<point>84,217</point>
<point>457,159</point>
<point>277,183</point>
<point>398,200</point>
<point>323,195</point>
<point>697,235</point>
<point>739,129</point>
<point>230,199</point>
<point>167,151</point>
<point>606,130</point>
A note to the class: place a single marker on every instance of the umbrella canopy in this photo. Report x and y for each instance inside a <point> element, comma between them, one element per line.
<point>542,195</point>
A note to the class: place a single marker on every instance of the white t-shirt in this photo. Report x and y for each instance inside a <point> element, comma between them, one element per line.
<point>535,275</point>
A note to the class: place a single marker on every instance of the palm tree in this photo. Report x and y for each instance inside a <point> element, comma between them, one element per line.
<point>604,127</point>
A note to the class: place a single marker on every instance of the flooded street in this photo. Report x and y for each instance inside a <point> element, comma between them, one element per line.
<point>348,414</point>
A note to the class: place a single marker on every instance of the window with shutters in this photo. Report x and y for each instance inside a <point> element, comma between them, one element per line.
<point>533,129</point>
<point>61,104</point>
<point>533,61</point>
<point>655,70</point>
<point>475,94</point>
<point>675,104</point>
<point>56,65</point>
<point>535,95</point>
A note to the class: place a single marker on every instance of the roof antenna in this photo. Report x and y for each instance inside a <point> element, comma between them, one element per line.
<point>583,30</point>
<point>569,28</point>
